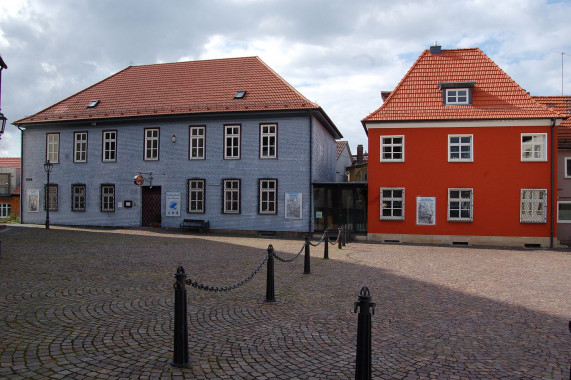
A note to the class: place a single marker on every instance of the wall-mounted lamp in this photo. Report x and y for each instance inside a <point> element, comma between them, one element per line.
<point>173,139</point>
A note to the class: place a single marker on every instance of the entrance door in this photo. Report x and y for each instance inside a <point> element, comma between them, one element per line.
<point>151,206</point>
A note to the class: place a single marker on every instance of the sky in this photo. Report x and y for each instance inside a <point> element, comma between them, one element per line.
<point>339,54</point>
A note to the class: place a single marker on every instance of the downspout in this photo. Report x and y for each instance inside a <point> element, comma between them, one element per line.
<point>552,224</point>
<point>310,173</point>
<point>21,174</point>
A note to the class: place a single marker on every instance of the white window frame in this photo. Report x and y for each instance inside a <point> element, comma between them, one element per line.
<point>567,167</point>
<point>78,197</point>
<point>109,146</point>
<point>268,196</point>
<point>231,196</point>
<point>268,140</point>
<point>531,147</point>
<point>390,145</point>
<point>531,202</point>
<point>52,147</point>
<point>107,198</point>
<point>196,196</point>
<point>80,147</point>
<point>452,96</point>
<point>232,133</point>
<point>391,199</point>
<point>152,144</point>
<point>559,220</point>
<point>5,210</point>
<point>197,143</point>
<point>460,144</point>
<point>461,203</point>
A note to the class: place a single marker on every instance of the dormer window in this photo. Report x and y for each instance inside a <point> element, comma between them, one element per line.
<point>456,93</point>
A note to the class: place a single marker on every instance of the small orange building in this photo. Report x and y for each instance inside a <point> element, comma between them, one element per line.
<point>9,188</point>
<point>459,153</point>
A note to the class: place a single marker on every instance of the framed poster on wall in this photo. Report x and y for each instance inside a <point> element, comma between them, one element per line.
<point>293,205</point>
<point>426,211</point>
<point>33,200</point>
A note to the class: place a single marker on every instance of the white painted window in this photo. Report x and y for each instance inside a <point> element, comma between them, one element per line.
<point>460,205</point>
<point>268,140</point>
<point>197,143</point>
<point>52,144</point>
<point>534,147</point>
<point>196,196</point>
<point>268,189</point>
<point>564,212</point>
<point>392,203</point>
<point>392,148</point>
<point>80,147</point>
<point>567,167</point>
<point>232,142</point>
<point>78,198</point>
<point>152,144</point>
<point>109,146</point>
<point>5,209</point>
<point>231,196</point>
<point>457,96</point>
<point>108,198</point>
<point>533,206</point>
<point>460,148</point>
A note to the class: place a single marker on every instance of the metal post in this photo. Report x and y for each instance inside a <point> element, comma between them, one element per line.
<point>344,235</point>
<point>270,292</point>
<point>363,360</point>
<point>326,246</point>
<point>339,238</point>
<point>47,191</point>
<point>306,264</point>
<point>180,355</point>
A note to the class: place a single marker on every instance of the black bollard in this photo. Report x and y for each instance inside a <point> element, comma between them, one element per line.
<point>180,356</point>
<point>339,238</point>
<point>306,264</point>
<point>270,291</point>
<point>326,245</point>
<point>344,235</point>
<point>363,360</point>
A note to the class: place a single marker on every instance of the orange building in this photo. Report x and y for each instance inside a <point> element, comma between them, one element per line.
<point>460,154</point>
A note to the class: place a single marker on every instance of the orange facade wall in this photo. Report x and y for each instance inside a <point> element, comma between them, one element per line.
<point>496,176</point>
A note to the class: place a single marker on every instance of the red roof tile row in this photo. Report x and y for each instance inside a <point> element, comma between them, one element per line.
<point>562,105</point>
<point>10,162</point>
<point>494,96</point>
<point>180,88</point>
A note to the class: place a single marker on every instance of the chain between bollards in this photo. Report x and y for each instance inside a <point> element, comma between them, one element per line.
<point>363,361</point>
<point>180,353</point>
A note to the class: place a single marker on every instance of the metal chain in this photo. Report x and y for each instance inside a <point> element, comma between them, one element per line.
<point>338,237</point>
<point>319,242</point>
<point>292,259</point>
<point>208,288</point>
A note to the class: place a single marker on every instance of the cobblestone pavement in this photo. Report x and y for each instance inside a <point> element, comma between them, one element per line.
<point>83,304</point>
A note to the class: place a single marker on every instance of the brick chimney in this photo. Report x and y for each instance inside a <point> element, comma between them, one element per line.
<point>359,153</point>
<point>435,49</point>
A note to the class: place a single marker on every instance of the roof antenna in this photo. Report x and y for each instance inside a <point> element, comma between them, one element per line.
<point>562,53</point>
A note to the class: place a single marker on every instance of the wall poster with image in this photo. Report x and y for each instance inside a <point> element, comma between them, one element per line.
<point>293,205</point>
<point>33,200</point>
<point>426,211</point>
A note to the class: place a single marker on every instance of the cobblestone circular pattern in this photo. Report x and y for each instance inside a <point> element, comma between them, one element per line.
<point>87,305</point>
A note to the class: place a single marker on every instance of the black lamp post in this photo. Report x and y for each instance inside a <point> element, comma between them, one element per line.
<point>2,117</point>
<point>48,168</point>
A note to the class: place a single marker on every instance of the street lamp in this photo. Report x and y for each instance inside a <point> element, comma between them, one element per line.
<point>48,168</point>
<point>2,117</point>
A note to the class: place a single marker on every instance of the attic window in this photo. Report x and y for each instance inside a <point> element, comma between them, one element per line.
<point>93,103</point>
<point>456,93</point>
<point>240,95</point>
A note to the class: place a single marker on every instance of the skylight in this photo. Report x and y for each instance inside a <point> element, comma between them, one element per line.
<point>93,103</point>
<point>240,95</point>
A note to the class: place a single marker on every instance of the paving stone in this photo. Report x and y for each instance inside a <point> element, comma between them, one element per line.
<point>98,303</point>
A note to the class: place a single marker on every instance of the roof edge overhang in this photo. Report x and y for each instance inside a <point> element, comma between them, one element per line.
<point>447,123</point>
<point>324,119</point>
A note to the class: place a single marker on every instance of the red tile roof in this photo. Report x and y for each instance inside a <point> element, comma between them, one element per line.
<point>494,96</point>
<point>340,146</point>
<point>10,162</point>
<point>16,191</point>
<point>180,88</point>
<point>560,104</point>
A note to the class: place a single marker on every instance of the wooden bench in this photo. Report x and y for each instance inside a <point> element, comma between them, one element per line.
<point>195,224</point>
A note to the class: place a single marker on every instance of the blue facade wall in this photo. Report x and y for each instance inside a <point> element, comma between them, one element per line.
<point>173,169</point>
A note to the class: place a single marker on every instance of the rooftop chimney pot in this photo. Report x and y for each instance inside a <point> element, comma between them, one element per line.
<point>435,49</point>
